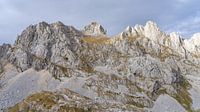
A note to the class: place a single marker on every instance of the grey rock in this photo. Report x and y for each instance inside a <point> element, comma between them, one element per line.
<point>4,50</point>
<point>94,29</point>
<point>128,72</point>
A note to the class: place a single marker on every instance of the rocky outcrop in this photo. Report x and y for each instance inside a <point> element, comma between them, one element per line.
<point>3,56</point>
<point>94,29</point>
<point>128,72</point>
<point>45,46</point>
<point>4,51</point>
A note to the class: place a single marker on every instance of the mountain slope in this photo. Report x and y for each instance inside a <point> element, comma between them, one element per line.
<point>52,67</point>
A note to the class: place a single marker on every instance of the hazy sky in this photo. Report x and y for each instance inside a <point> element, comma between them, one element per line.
<point>182,16</point>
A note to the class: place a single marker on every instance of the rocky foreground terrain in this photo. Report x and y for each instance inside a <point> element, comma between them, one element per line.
<point>57,68</point>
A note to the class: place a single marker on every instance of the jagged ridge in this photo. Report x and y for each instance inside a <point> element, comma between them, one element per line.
<point>129,71</point>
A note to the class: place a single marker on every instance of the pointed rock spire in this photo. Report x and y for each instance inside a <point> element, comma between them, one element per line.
<point>128,32</point>
<point>151,25</point>
<point>193,43</point>
<point>196,36</point>
<point>94,28</point>
<point>152,31</point>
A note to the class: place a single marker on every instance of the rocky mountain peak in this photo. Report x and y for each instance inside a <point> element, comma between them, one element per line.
<point>42,24</point>
<point>129,32</point>
<point>150,30</point>
<point>193,44</point>
<point>150,25</point>
<point>43,32</point>
<point>94,28</point>
<point>57,25</point>
<point>196,36</point>
<point>53,67</point>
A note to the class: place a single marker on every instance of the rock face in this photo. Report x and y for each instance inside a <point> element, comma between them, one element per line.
<point>54,67</point>
<point>94,29</point>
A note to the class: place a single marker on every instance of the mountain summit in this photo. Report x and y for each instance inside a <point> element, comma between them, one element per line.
<point>56,68</point>
<point>94,29</point>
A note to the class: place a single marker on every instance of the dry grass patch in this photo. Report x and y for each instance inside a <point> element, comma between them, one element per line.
<point>95,40</point>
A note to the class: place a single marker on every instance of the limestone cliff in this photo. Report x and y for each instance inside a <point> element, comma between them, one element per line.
<point>54,67</point>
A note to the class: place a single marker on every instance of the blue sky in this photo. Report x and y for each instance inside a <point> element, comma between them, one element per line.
<point>181,16</point>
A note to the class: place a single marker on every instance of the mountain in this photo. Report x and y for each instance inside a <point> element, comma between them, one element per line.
<point>57,68</point>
